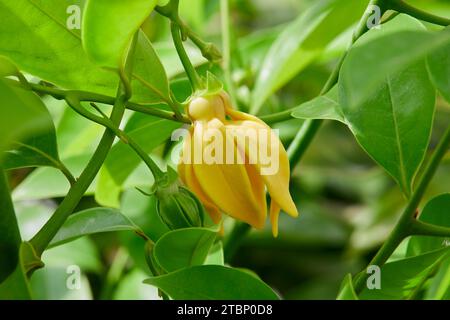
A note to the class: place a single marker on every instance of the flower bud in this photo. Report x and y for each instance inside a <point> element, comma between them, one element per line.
<point>178,207</point>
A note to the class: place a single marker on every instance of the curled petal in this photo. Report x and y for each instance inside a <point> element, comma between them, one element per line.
<point>229,186</point>
<point>270,148</point>
<point>274,214</point>
<point>186,173</point>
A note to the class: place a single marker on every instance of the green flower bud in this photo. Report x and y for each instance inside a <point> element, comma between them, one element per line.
<point>177,206</point>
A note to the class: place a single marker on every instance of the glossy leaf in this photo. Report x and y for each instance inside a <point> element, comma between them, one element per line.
<point>436,212</point>
<point>385,123</point>
<point>212,283</point>
<point>439,67</point>
<point>148,132</point>
<point>367,65</point>
<point>302,42</point>
<point>322,107</point>
<point>183,248</point>
<point>108,27</point>
<point>37,38</point>
<point>347,291</point>
<point>400,278</point>
<point>90,221</point>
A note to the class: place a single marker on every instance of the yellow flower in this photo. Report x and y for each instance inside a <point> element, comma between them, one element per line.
<point>230,158</point>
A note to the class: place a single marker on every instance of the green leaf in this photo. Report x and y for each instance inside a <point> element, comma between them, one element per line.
<point>215,255</point>
<point>439,288</point>
<point>212,283</point>
<point>149,71</point>
<point>303,41</point>
<point>386,124</point>
<point>367,65</point>
<point>37,150</point>
<point>183,248</point>
<point>439,68</point>
<point>148,132</point>
<point>9,231</point>
<point>436,212</point>
<point>108,27</point>
<point>7,67</point>
<point>90,221</point>
<point>35,36</point>
<point>385,121</point>
<point>400,278</point>
<point>22,114</point>
<point>347,292</point>
<point>321,107</point>
<point>16,286</point>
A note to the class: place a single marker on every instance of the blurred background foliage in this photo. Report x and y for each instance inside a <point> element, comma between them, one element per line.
<point>348,204</point>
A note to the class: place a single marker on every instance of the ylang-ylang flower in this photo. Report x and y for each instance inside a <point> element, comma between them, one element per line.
<point>230,159</point>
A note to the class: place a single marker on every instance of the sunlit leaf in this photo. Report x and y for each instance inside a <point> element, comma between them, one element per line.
<point>109,25</point>
<point>37,38</point>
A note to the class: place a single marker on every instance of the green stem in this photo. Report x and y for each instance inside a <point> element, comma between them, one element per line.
<point>99,98</point>
<point>426,229</point>
<point>208,49</point>
<point>226,47</point>
<point>188,67</point>
<point>232,243</point>
<point>403,7</point>
<point>44,236</point>
<point>407,224</point>
<point>107,123</point>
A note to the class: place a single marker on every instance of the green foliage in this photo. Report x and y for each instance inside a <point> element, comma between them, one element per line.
<point>322,107</point>
<point>69,196</point>
<point>35,37</point>
<point>22,116</point>
<point>91,221</point>
<point>106,40</point>
<point>294,50</point>
<point>182,248</point>
<point>439,67</point>
<point>9,232</point>
<point>403,278</point>
<point>347,292</point>
<point>435,212</point>
<point>212,283</point>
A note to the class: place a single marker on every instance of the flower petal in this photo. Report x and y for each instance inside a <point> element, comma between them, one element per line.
<point>229,185</point>
<point>187,176</point>
<point>277,182</point>
<point>274,214</point>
